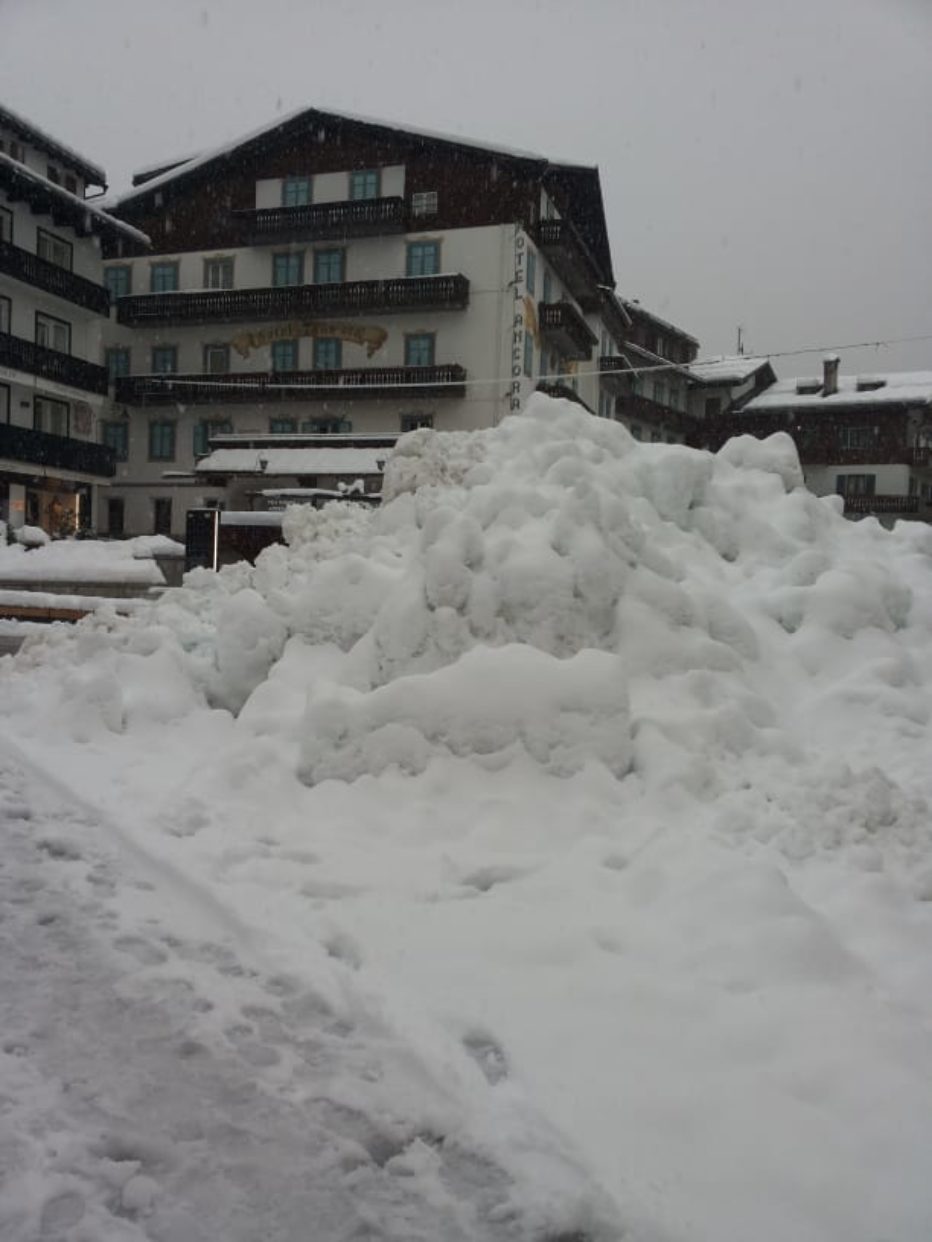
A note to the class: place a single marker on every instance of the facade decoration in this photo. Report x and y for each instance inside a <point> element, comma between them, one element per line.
<point>371,338</point>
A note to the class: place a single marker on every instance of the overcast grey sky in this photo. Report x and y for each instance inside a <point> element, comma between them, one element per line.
<point>764,162</point>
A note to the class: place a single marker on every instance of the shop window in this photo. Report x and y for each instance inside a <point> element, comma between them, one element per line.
<point>413,422</point>
<point>162,515</point>
<point>116,516</point>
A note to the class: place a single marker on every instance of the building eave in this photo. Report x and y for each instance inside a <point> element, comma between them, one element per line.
<point>47,198</point>
<point>92,173</point>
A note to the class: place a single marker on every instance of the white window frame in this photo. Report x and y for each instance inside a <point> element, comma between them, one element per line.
<point>54,249</point>
<point>46,413</point>
<point>52,333</point>
<point>424,203</point>
<point>222,267</point>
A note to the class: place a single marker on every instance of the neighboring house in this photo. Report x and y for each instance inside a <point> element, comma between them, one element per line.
<point>331,276</point>
<point>644,361</point>
<point>723,385</point>
<point>867,438</point>
<point>53,304</point>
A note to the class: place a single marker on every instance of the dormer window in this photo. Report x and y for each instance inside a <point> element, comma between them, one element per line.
<point>364,184</point>
<point>53,174</point>
<point>296,192</point>
<point>869,384</point>
<point>808,387</point>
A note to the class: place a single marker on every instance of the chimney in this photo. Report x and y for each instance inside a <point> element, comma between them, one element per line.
<point>829,375</point>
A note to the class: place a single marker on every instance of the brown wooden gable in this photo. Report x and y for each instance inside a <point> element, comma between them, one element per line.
<point>197,209</point>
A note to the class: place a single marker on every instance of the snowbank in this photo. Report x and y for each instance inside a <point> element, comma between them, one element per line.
<point>600,771</point>
<point>37,558</point>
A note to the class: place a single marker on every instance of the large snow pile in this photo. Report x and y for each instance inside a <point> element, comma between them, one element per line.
<point>600,771</point>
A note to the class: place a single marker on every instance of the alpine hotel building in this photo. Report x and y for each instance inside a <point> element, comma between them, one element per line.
<point>330,278</point>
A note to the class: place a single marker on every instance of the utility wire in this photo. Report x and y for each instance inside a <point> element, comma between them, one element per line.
<point>682,368</point>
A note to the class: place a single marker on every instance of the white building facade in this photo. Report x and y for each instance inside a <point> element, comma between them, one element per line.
<point>331,276</point>
<point>53,305</point>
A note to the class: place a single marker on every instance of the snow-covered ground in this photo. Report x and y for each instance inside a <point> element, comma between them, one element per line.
<point>545,855</point>
<point>86,560</point>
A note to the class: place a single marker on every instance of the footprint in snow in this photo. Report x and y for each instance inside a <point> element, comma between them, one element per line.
<point>486,878</point>
<point>488,1055</point>
<point>61,1212</point>
<point>58,848</point>
<point>15,811</point>
<point>344,949</point>
<point>144,951</point>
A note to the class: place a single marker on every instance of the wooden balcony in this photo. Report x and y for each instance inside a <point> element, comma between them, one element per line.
<point>653,414</point>
<point>555,388</point>
<point>348,384</point>
<point>354,297</point>
<point>46,452</point>
<point>572,261</point>
<point>370,217</point>
<point>615,372</point>
<point>881,504</point>
<point>565,330</point>
<point>23,355</point>
<point>27,267</point>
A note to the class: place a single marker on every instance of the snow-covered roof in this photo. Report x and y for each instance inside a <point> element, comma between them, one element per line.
<point>249,517</point>
<point>733,369</point>
<point>207,157</point>
<point>39,138</point>
<point>304,439</point>
<point>294,461</point>
<point>633,307</point>
<point>78,208</point>
<point>655,362</point>
<point>149,171</point>
<point>898,387</point>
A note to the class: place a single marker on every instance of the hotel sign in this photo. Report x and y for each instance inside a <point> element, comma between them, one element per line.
<point>372,338</point>
<point>517,321</point>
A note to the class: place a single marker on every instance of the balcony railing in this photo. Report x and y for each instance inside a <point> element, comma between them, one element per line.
<point>572,260</point>
<point>921,456</point>
<point>326,221</point>
<point>566,330</point>
<point>554,388</point>
<point>31,270</point>
<point>654,413</point>
<point>25,355</point>
<point>350,384</point>
<point>881,504</point>
<point>45,452</point>
<point>355,297</point>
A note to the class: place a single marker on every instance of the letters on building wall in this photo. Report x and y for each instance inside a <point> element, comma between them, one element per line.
<point>373,338</point>
<point>517,323</point>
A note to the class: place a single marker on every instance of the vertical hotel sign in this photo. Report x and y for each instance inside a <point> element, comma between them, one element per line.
<point>518,325</point>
